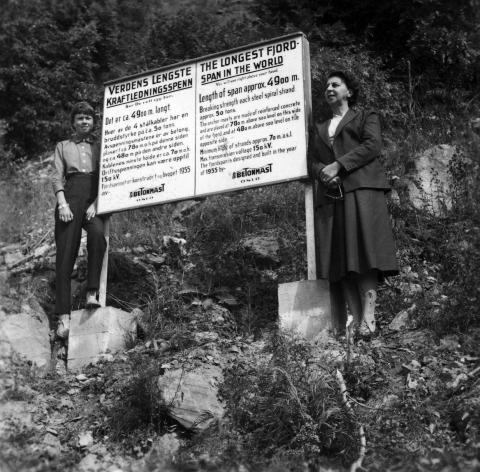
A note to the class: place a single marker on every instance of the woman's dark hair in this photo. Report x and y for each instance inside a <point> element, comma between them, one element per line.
<point>350,82</point>
<point>82,108</point>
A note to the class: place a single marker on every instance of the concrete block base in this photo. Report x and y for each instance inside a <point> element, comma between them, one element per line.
<point>305,307</point>
<point>94,333</point>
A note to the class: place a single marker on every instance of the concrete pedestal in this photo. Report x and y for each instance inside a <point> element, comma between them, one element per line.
<point>94,333</point>
<point>305,307</point>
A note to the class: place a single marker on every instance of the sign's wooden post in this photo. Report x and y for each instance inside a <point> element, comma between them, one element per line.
<point>310,227</point>
<point>102,290</point>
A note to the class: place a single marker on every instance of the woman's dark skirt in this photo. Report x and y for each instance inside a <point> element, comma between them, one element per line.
<point>354,236</point>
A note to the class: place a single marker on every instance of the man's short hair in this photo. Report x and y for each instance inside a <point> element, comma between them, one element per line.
<point>82,108</point>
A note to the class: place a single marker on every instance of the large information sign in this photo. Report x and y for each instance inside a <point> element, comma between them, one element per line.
<point>229,121</point>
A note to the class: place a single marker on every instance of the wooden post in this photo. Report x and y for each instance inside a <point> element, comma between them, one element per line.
<point>102,291</point>
<point>310,227</point>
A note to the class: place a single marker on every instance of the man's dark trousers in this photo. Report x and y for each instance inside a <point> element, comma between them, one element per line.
<point>80,192</point>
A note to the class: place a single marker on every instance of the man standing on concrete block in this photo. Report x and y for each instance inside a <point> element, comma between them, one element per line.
<point>75,183</point>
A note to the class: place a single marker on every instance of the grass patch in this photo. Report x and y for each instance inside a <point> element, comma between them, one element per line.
<point>141,227</point>
<point>139,406</point>
<point>287,404</point>
<point>26,205</point>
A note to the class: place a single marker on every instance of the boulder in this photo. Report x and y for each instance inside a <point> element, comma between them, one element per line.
<point>190,395</point>
<point>90,463</point>
<point>219,314</point>
<point>204,337</point>
<point>184,209</point>
<point>401,321</point>
<point>13,258</point>
<point>224,297</point>
<point>163,449</point>
<point>43,250</point>
<point>26,333</point>
<point>15,416</point>
<point>95,333</point>
<point>172,241</point>
<point>264,248</point>
<point>154,259</point>
<point>4,248</point>
<point>430,186</point>
<point>52,445</point>
<point>85,439</point>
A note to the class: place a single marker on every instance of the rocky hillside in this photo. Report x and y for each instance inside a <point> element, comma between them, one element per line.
<point>202,280</point>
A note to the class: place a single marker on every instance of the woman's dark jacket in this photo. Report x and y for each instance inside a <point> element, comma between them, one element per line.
<point>356,146</point>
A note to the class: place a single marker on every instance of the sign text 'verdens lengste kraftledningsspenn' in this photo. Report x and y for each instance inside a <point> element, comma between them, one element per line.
<point>229,121</point>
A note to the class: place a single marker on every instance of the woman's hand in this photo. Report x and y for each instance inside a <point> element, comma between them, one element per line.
<point>329,172</point>
<point>332,184</point>
<point>64,213</point>
<point>91,211</point>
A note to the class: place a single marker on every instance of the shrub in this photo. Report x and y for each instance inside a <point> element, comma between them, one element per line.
<point>443,255</point>
<point>44,68</point>
<point>459,251</point>
<point>288,403</point>
<point>26,205</point>
<point>136,404</point>
<point>439,39</point>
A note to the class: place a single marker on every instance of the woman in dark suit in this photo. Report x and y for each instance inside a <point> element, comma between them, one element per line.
<point>354,241</point>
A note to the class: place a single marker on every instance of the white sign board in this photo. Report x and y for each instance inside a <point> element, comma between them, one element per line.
<point>224,122</point>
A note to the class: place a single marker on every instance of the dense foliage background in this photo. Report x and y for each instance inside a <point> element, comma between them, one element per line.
<point>416,59</point>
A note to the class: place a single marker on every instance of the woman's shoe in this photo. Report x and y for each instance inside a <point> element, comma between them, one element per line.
<point>363,330</point>
<point>92,301</point>
<point>63,327</point>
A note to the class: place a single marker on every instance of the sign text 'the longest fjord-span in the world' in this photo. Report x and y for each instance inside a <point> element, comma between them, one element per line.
<point>229,121</point>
